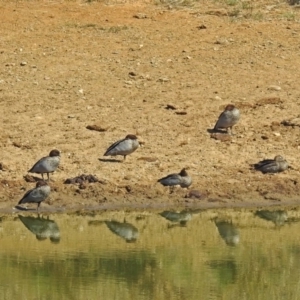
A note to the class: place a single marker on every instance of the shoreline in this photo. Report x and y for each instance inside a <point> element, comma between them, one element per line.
<point>181,204</point>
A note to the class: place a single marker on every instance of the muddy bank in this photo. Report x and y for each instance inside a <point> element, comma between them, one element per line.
<point>71,66</point>
<point>104,196</point>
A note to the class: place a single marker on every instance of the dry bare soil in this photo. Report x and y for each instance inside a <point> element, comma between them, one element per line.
<point>66,65</point>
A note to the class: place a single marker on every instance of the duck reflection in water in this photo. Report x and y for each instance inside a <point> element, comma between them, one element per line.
<point>181,218</point>
<point>278,217</point>
<point>42,228</point>
<point>125,230</point>
<point>228,232</point>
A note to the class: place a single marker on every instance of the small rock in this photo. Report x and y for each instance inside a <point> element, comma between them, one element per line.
<point>29,178</point>
<point>128,82</point>
<point>275,126</point>
<point>20,145</point>
<point>3,167</point>
<point>201,26</point>
<point>16,144</point>
<point>140,16</point>
<point>171,106</point>
<point>96,128</point>
<point>291,122</point>
<point>223,137</point>
<point>195,194</point>
<point>132,74</point>
<point>276,133</point>
<point>23,63</point>
<point>274,88</point>
<point>163,79</point>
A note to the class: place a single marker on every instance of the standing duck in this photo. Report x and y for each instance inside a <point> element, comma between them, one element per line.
<point>47,164</point>
<point>228,118</point>
<point>36,195</point>
<point>123,147</point>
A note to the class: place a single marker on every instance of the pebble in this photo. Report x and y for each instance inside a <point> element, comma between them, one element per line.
<point>195,194</point>
<point>221,137</point>
<point>163,79</point>
<point>170,106</point>
<point>96,128</point>
<point>274,88</point>
<point>132,74</point>
<point>292,122</point>
<point>140,16</point>
<point>3,167</point>
<point>23,63</point>
<point>201,26</point>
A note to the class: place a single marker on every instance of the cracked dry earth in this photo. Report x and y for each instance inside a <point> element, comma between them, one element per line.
<point>163,73</point>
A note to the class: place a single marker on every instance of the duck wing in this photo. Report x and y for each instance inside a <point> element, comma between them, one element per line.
<point>172,179</point>
<point>221,121</point>
<point>37,164</point>
<point>111,147</point>
<point>25,196</point>
<point>267,166</point>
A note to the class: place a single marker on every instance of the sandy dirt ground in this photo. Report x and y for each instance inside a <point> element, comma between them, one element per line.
<point>66,65</point>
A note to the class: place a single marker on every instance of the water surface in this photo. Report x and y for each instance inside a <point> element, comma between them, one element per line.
<point>210,254</point>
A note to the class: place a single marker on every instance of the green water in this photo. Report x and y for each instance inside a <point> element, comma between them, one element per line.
<point>211,254</point>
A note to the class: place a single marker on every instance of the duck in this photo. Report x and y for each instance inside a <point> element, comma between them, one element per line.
<point>228,118</point>
<point>182,179</point>
<point>123,147</point>
<point>276,165</point>
<point>47,164</point>
<point>37,194</point>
